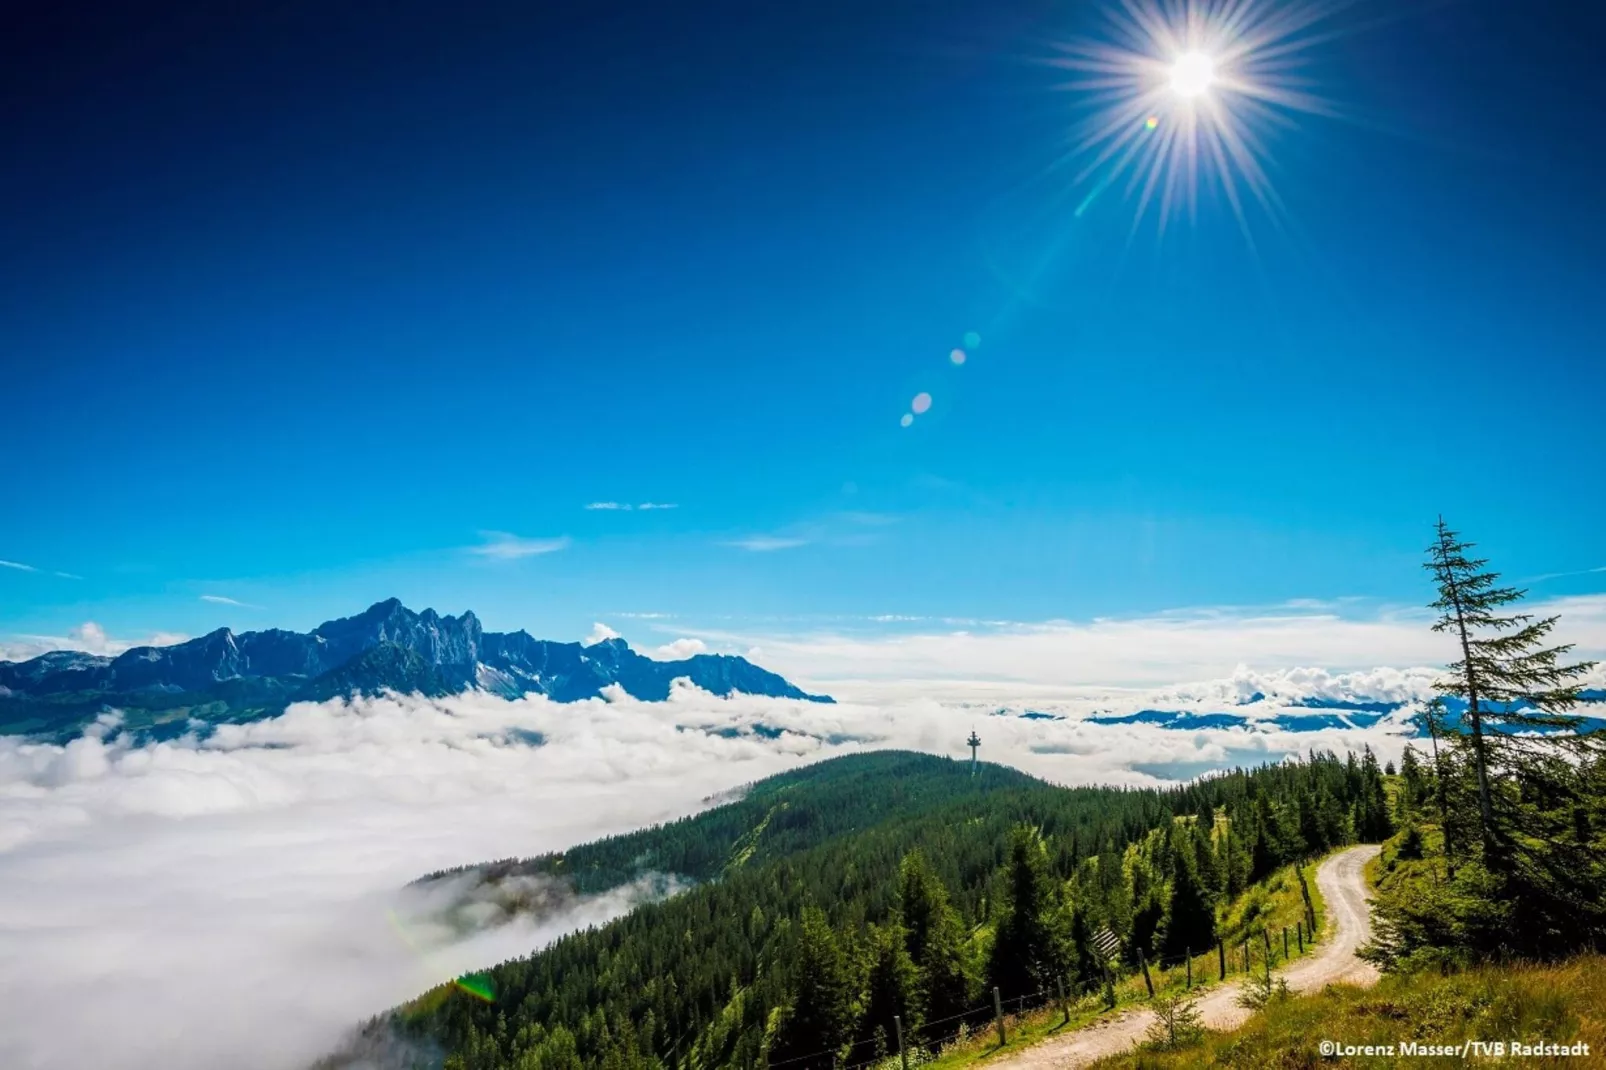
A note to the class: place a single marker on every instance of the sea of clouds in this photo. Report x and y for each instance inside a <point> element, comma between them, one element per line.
<point>241,899</point>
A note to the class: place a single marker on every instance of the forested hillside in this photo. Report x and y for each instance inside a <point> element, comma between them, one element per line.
<point>836,897</point>
<point>1490,908</point>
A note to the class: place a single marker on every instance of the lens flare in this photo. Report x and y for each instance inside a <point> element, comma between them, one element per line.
<point>906,419</point>
<point>972,339</point>
<point>921,403</point>
<point>1211,79</point>
<point>957,356</point>
<point>478,985</point>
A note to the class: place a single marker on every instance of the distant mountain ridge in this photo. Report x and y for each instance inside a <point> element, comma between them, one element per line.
<point>225,676</point>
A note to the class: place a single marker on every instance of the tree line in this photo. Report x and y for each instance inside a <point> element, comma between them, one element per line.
<point>809,950</point>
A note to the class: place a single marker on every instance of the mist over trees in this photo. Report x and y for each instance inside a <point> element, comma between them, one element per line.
<point>846,898</point>
<point>844,903</point>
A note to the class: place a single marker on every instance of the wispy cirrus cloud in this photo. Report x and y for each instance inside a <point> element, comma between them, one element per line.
<point>224,600</point>
<point>851,528</point>
<point>761,544</point>
<point>505,546</point>
<point>20,567</point>
<point>1562,575</point>
<point>626,507</point>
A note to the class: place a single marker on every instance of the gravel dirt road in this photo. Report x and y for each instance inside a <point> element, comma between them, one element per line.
<point>1349,923</point>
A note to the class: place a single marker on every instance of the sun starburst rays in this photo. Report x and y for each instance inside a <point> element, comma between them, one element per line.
<point>1182,95</point>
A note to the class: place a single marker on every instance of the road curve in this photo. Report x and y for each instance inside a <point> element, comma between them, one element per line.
<point>1349,923</point>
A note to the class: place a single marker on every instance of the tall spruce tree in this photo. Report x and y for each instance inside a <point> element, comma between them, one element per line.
<point>921,902</point>
<point>1413,783</point>
<point>820,1018</point>
<point>1204,854</point>
<point>935,940</point>
<point>1432,718</point>
<point>948,979</point>
<point>892,989</point>
<point>1191,912</point>
<point>1516,688</point>
<point>1023,952</point>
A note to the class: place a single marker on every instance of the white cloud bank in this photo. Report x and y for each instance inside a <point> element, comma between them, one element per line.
<point>88,637</point>
<point>198,904</point>
<point>678,650</point>
<point>1065,657</point>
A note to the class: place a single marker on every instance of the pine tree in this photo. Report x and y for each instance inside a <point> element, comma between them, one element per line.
<point>1263,857</point>
<point>893,986</point>
<point>947,978</point>
<point>935,941</point>
<point>1191,913</point>
<point>1145,924</point>
<point>1507,676</point>
<point>921,902</point>
<point>1413,784</point>
<point>822,1012</point>
<point>1234,861</point>
<point>1204,855</point>
<point>1086,962</point>
<point>1432,718</point>
<point>1023,952</point>
<point>1372,822</point>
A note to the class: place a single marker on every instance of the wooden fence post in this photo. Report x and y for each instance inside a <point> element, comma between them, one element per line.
<point>1189,954</point>
<point>1221,950</point>
<point>1300,932</point>
<point>1266,936</point>
<point>1144,962</point>
<point>1246,954</point>
<point>903,1054</point>
<point>998,1013</point>
<point>1065,1008</point>
<point>1285,943</point>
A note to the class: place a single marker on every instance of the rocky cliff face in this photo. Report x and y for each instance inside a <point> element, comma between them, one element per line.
<point>230,676</point>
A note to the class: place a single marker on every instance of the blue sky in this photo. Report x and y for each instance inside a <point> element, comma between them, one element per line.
<point>300,309</point>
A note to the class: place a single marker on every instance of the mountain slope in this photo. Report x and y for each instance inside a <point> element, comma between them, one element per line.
<point>815,866</point>
<point>224,676</point>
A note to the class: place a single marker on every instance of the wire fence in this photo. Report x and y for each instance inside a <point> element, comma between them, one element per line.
<point>1238,958</point>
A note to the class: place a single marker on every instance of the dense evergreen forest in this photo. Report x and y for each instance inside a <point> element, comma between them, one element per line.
<point>836,897</point>
<point>837,904</point>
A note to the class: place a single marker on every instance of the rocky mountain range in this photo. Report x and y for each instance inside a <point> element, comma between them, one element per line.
<point>230,677</point>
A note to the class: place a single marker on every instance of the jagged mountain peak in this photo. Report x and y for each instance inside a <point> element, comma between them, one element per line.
<point>232,676</point>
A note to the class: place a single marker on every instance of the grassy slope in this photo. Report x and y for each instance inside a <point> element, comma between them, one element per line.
<point>1273,903</point>
<point>1559,1004</point>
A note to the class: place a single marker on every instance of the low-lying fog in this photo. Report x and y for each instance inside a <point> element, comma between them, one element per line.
<point>239,901</point>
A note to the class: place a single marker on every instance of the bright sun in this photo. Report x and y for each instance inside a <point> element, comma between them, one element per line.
<point>1192,74</point>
